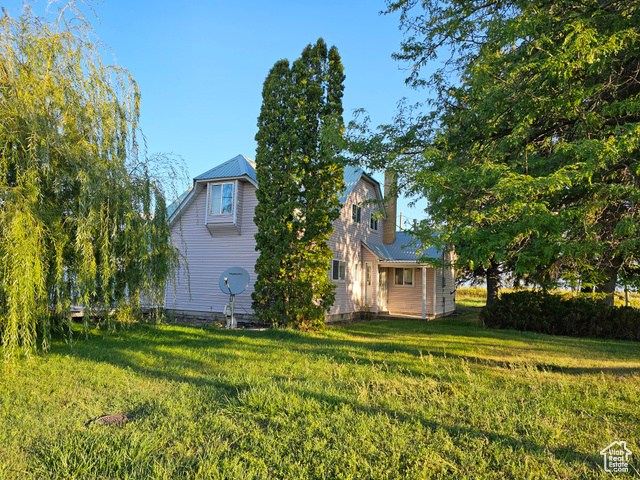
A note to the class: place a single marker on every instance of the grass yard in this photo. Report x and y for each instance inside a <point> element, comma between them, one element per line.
<point>384,400</point>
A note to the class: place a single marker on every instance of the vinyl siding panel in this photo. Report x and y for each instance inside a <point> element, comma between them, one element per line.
<point>345,243</point>
<point>445,288</point>
<point>403,299</point>
<point>204,256</point>
<point>207,250</point>
<point>370,301</point>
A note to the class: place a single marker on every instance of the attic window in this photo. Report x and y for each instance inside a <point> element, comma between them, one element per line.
<point>221,199</point>
<point>373,222</point>
<point>356,213</point>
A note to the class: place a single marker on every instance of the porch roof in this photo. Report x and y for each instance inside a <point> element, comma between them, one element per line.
<point>403,250</point>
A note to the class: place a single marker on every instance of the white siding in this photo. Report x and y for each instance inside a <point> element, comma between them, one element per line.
<point>205,255</point>
<point>445,287</point>
<point>408,300</point>
<point>372,304</point>
<point>207,250</point>
<point>345,243</point>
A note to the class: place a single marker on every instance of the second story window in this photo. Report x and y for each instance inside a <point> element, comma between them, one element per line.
<point>221,199</point>
<point>373,222</point>
<point>338,270</point>
<point>356,213</point>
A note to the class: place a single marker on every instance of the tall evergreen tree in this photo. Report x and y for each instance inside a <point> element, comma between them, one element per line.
<point>300,176</point>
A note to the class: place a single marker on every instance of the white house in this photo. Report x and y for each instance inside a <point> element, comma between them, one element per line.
<point>374,267</point>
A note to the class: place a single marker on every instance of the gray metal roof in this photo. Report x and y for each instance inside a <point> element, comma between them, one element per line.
<point>171,209</point>
<point>238,166</point>
<point>402,250</point>
<point>241,165</point>
<point>351,176</point>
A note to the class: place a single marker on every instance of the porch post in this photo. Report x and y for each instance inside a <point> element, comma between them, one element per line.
<point>424,293</point>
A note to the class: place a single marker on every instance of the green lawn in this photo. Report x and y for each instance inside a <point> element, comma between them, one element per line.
<point>386,399</point>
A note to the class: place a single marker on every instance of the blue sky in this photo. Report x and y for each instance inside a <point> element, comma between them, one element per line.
<point>201,64</point>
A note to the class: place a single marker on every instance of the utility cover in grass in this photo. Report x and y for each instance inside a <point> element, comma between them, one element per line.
<point>116,419</point>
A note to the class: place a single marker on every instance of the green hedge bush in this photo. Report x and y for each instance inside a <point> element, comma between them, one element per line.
<point>576,317</point>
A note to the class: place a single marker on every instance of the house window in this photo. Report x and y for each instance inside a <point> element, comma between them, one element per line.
<point>404,276</point>
<point>373,222</point>
<point>356,213</point>
<point>338,270</point>
<point>221,199</point>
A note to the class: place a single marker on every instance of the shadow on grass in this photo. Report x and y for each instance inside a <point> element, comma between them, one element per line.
<point>162,352</point>
<point>460,434</point>
<point>191,354</point>
<point>151,350</point>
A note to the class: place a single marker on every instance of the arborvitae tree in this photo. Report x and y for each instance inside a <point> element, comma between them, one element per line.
<point>300,176</point>
<point>81,219</point>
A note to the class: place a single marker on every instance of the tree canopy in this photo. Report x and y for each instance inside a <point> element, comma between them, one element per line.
<point>300,176</point>
<point>529,158</point>
<point>82,215</point>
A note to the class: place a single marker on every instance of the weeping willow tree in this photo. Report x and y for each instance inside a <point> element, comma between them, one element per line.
<point>83,219</point>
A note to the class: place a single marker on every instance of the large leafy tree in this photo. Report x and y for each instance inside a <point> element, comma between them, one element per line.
<point>300,176</point>
<point>530,159</point>
<point>82,220</point>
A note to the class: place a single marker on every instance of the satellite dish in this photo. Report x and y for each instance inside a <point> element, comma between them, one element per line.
<point>234,280</point>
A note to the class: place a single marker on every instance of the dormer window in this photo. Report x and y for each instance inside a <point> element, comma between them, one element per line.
<point>221,199</point>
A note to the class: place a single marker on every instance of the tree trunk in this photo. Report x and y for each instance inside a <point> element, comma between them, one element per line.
<point>493,283</point>
<point>626,295</point>
<point>608,287</point>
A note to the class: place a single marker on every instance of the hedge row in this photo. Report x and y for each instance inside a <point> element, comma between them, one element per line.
<point>576,317</point>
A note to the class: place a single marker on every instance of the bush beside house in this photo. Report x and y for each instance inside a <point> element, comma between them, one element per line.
<point>552,314</point>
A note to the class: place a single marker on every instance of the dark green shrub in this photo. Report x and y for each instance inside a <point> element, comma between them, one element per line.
<point>554,315</point>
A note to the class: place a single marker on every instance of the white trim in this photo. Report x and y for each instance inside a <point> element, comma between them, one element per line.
<point>357,272</point>
<point>234,201</point>
<point>206,209</point>
<point>185,201</point>
<point>435,302</point>
<point>368,287</point>
<point>210,186</point>
<point>401,264</point>
<point>383,300</point>
<point>227,179</point>
<point>424,293</point>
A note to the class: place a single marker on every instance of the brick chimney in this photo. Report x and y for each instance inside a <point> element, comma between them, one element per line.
<point>389,227</point>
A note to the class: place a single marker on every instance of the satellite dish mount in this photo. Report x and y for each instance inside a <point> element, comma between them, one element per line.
<point>233,281</point>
